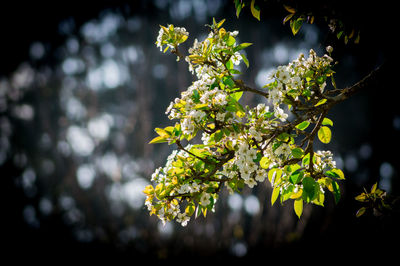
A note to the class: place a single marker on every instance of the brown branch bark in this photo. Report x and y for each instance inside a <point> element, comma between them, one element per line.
<point>370,80</point>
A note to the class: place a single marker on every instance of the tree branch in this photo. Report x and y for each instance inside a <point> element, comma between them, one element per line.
<point>372,78</point>
<point>242,87</point>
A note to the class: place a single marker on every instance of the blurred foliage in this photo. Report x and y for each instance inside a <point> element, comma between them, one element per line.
<point>377,202</point>
<point>300,13</point>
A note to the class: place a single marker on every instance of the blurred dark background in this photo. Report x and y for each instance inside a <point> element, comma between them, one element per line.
<point>82,86</point>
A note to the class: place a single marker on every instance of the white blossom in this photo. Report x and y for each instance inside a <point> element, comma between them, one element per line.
<point>279,113</point>
<point>220,99</point>
<point>183,219</point>
<point>205,199</point>
<point>250,182</point>
<point>260,175</point>
<point>283,149</point>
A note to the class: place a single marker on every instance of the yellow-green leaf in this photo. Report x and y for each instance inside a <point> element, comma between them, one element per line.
<point>231,41</point>
<point>245,60</point>
<point>264,162</point>
<point>295,25</point>
<point>321,102</point>
<point>297,153</point>
<point>169,130</point>
<point>159,139</point>
<point>242,46</point>
<point>339,173</point>
<point>297,195</point>
<point>319,200</point>
<point>164,28</point>
<point>303,125</point>
<point>161,131</point>
<point>324,134</point>
<point>148,190</point>
<point>204,211</point>
<point>160,191</point>
<point>327,122</point>
<point>357,39</point>
<point>290,9</point>
<point>287,18</point>
<point>255,10</point>
<point>362,197</point>
<point>220,23</point>
<point>238,6</point>
<point>274,175</point>
<point>373,189</point>
<point>298,207</point>
<point>360,212</point>
<point>190,209</point>
<point>183,38</point>
<point>275,194</point>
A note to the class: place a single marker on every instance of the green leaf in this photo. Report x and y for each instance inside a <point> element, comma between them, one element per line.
<point>295,25</point>
<point>309,187</point>
<point>296,176</point>
<point>324,134</point>
<point>231,41</point>
<point>298,207</point>
<point>327,122</point>
<point>360,212</point>
<point>335,173</point>
<point>291,168</point>
<point>333,82</point>
<point>196,96</point>
<point>255,10</point>
<point>237,95</point>
<point>275,195</point>
<point>321,79</point>
<point>336,191</point>
<point>238,6</point>
<point>320,198</point>
<point>235,71</point>
<point>229,65</point>
<point>218,135</point>
<point>228,82</point>
<point>306,159</point>
<point>286,192</point>
<point>245,60</point>
<point>297,153</point>
<point>303,125</point>
<point>242,46</point>
<point>283,137</point>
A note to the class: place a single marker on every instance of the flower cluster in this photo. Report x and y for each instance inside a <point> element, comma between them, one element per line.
<point>242,145</point>
<point>171,37</point>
